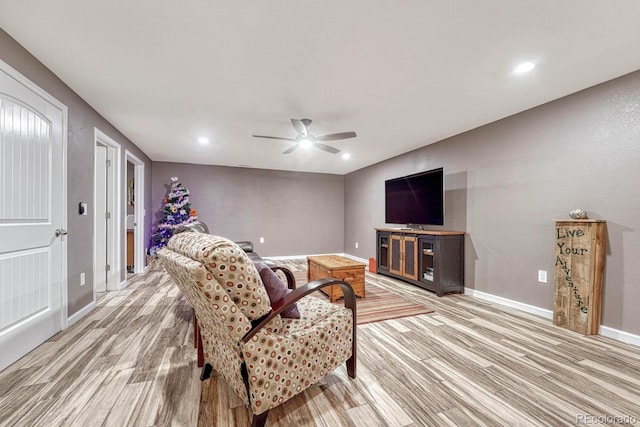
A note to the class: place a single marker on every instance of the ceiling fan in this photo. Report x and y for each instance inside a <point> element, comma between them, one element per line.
<point>306,138</point>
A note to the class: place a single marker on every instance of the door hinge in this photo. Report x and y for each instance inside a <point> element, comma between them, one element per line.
<point>108,163</point>
<point>107,267</point>
<point>107,215</point>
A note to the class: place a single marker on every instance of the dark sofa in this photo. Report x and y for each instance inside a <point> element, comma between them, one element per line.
<point>200,227</point>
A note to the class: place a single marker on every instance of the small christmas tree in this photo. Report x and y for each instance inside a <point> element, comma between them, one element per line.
<point>176,212</point>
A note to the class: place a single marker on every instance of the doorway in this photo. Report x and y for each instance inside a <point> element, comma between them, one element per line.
<point>130,222</point>
<point>106,220</point>
<point>134,230</point>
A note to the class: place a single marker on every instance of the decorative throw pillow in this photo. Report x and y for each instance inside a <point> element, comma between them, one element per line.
<point>276,289</point>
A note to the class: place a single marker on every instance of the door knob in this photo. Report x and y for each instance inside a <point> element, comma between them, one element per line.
<point>61,232</point>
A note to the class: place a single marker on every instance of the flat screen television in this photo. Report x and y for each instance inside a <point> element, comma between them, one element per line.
<point>415,199</point>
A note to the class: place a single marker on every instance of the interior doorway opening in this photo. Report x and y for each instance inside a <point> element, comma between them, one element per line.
<point>134,230</point>
<point>106,218</point>
<point>130,222</point>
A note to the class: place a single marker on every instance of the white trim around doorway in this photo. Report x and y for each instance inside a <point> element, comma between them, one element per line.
<point>115,207</point>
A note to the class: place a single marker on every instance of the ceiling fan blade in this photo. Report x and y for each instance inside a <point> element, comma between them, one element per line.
<point>300,126</point>
<point>291,150</point>
<point>273,137</point>
<point>326,147</point>
<point>336,136</point>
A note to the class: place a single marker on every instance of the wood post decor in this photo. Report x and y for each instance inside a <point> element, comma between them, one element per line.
<point>579,271</point>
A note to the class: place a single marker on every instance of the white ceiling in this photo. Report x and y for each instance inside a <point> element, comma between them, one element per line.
<point>402,74</point>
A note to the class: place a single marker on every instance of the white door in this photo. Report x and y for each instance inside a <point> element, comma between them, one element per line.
<point>32,221</point>
<point>106,265</point>
<point>101,221</point>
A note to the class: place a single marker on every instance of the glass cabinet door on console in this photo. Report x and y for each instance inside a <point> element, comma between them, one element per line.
<point>427,253</point>
<point>396,254</point>
<point>442,263</point>
<point>404,258</point>
<point>383,250</point>
<point>410,248</point>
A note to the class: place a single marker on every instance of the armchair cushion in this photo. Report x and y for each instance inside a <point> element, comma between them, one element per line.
<point>282,365</point>
<point>230,267</point>
<point>276,289</point>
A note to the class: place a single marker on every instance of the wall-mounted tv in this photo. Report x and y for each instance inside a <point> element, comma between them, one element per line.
<point>415,199</point>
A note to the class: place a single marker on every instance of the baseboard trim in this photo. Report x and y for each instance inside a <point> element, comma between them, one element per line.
<point>275,258</point>
<point>605,331</point>
<point>617,335</point>
<point>355,258</point>
<point>81,313</point>
<point>542,312</point>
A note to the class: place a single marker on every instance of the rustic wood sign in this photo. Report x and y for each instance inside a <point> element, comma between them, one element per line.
<point>579,270</point>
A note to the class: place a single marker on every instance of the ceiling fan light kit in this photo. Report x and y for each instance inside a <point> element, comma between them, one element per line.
<point>306,139</point>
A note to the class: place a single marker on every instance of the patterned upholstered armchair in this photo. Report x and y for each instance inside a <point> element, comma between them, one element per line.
<point>265,358</point>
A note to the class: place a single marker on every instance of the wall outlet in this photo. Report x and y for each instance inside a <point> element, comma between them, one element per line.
<point>542,276</point>
<point>356,245</point>
<point>82,279</point>
<point>262,240</point>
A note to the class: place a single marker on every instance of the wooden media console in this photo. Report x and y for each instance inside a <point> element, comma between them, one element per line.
<point>433,260</point>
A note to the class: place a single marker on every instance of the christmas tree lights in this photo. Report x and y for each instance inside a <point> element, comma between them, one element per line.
<point>177,211</point>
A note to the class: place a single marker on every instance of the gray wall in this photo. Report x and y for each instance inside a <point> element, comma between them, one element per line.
<point>80,148</point>
<point>296,213</point>
<point>505,183</point>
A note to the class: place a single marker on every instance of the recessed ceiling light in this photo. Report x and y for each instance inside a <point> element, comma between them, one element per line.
<point>525,67</point>
<point>346,156</point>
<point>203,140</point>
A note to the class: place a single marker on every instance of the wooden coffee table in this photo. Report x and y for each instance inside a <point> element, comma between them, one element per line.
<point>337,267</point>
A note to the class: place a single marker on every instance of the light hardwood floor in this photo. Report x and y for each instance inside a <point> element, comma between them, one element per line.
<point>132,362</point>
<point>129,362</point>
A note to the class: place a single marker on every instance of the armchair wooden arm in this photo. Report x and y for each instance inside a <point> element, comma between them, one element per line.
<point>282,304</point>
<point>291,280</point>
